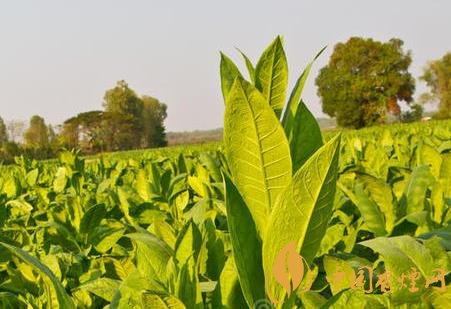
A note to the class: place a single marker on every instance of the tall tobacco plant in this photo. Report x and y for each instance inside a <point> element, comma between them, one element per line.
<point>282,177</point>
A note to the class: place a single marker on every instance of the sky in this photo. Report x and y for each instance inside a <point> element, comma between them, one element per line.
<point>57,58</point>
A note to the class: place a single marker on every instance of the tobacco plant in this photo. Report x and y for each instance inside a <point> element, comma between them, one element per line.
<point>282,178</point>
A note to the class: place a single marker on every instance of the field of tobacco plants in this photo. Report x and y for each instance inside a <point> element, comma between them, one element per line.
<point>277,216</point>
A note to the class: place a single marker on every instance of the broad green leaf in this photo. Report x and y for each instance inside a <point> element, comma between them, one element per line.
<point>215,255</point>
<point>246,244</point>
<point>387,140</point>
<point>152,255</point>
<point>231,293</point>
<point>229,72</point>
<point>339,273</point>
<point>60,182</point>
<point>54,285</point>
<point>52,262</point>
<point>444,234</point>
<point>124,205</point>
<point>32,177</point>
<point>59,231</point>
<point>11,187</point>
<point>271,75</point>
<point>212,165</point>
<point>188,243</point>
<point>161,301</point>
<point>289,116</point>
<point>104,236</point>
<point>333,236</point>
<point>303,211</point>
<point>438,201</point>
<point>430,156</point>
<point>312,300</point>
<point>404,255</point>
<point>415,191</point>
<point>131,290</point>
<point>187,288</point>
<point>304,137</point>
<point>142,186</point>
<point>437,299</point>
<point>357,299</point>
<point>164,231</point>
<point>155,179</point>
<point>382,195</point>
<point>372,216</point>
<point>102,287</point>
<point>256,149</point>
<point>9,300</point>
<point>92,218</point>
<point>20,206</point>
<point>198,185</point>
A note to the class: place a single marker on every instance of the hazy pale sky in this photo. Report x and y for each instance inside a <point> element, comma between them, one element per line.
<point>57,57</point>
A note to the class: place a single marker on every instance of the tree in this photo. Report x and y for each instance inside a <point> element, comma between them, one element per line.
<point>154,114</point>
<point>37,135</point>
<point>9,151</point>
<point>414,114</point>
<point>3,132</point>
<point>90,129</point>
<point>437,76</point>
<point>364,80</point>
<point>119,131</point>
<point>54,140</point>
<point>70,133</point>
<point>124,109</point>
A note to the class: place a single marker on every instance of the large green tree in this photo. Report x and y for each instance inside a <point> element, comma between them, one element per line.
<point>37,134</point>
<point>437,76</point>
<point>364,80</point>
<point>3,132</point>
<point>130,121</point>
<point>124,112</point>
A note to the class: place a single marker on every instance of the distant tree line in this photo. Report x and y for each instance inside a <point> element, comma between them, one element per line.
<point>362,85</point>
<point>128,121</point>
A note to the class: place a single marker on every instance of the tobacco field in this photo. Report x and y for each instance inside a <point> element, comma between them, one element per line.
<point>202,227</point>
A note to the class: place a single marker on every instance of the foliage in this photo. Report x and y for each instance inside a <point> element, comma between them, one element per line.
<point>437,76</point>
<point>364,80</point>
<point>124,109</point>
<point>128,122</point>
<point>37,135</point>
<point>414,114</point>
<point>182,228</point>
<point>268,171</point>
<point>71,216</point>
<point>8,151</point>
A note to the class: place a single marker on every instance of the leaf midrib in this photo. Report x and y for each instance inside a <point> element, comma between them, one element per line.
<point>260,153</point>
<point>320,188</point>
